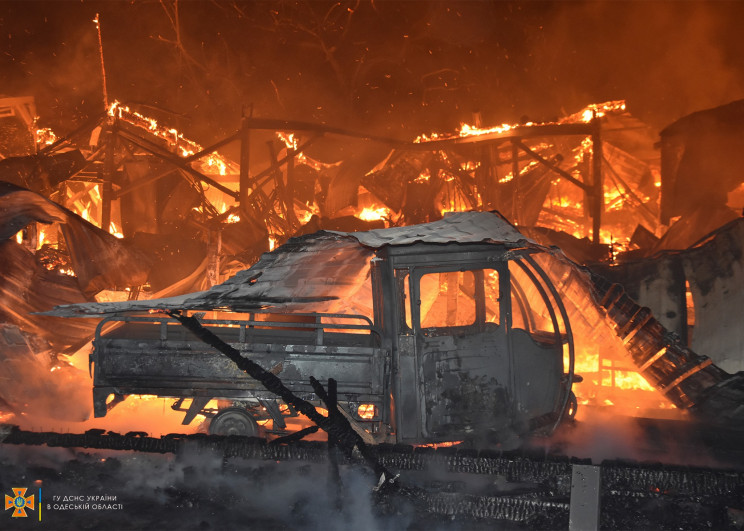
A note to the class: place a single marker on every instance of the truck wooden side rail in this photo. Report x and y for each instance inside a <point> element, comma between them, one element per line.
<point>147,355</point>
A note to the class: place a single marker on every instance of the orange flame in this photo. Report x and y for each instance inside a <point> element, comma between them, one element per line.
<point>374,214</point>
<point>367,411</point>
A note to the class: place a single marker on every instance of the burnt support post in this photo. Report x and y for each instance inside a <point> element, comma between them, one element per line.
<point>597,205</point>
<point>334,475</point>
<point>109,168</point>
<point>292,221</point>
<point>245,190</point>
<point>279,180</point>
<point>484,181</point>
<point>214,248</point>
<point>515,182</point>
<point>585,506</point>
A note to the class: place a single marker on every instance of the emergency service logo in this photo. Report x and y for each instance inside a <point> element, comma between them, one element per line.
<point>19,502</point>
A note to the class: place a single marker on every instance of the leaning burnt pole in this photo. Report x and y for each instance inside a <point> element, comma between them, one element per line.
<point>336,426</point>
<point>688,380</point>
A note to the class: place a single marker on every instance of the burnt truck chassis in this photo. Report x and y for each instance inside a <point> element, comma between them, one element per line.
<point>485,380</point>
<point>171,362</point>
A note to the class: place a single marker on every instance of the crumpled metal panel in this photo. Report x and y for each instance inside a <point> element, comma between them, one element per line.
<point>460,227</point>
<point>658,283</point>
<point>26,287</point>
<point>715,271</point>
<point>100,260</point>
<point>310,272</point>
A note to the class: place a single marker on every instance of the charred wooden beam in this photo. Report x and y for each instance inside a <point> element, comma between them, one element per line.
<point>515,145</point>
<point>518,132</point>
<point>570,178</point>
<point>294,125</point>
<point>290,190</point>
<point>296,436</point>
<point>268,172</point>
<point>597,205</point>
<point>142,182</point>
<point>284,203</point>
<point>157,151</point>
<point>86,127</point>
<point>109,168</point>
<point>213,147</point>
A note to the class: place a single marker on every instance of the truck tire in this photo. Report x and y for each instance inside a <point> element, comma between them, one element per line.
<point>233,421</point>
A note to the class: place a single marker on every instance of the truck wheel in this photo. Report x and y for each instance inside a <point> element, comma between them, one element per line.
<point>233,421</point>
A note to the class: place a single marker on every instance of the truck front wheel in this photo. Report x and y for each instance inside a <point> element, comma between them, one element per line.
<point>233,421</point>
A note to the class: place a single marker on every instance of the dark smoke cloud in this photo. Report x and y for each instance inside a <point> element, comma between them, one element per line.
<point>399,68</point>
<point>666,58</point>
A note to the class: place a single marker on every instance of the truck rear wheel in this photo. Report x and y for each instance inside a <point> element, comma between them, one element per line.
<point>233,421</point>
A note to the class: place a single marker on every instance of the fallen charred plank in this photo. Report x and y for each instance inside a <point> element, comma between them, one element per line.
<point>514,466</point>
<point>523,487</point>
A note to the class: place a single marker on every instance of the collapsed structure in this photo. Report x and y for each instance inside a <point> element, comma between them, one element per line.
<point>191,217</point>
<point>468,324</point>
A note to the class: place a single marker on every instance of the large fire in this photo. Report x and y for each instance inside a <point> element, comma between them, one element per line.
<point>606,380</point>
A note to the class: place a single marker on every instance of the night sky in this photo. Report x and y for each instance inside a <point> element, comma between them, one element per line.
<point>385,67</point>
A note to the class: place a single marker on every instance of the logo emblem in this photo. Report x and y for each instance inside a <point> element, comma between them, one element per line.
<point>19,502</point>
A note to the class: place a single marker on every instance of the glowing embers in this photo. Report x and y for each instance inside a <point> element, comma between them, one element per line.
<point>690,307</point>
<point>45,137</point>
<point>273,242</point>
<point>367,411</point>
<point>115,231</point>
<point>291,142</point>
<point>446,444</point>
<point>598,110</point>
<point>305,212</point>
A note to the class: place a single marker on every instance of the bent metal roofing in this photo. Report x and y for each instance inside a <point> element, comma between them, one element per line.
<point>316,268</point>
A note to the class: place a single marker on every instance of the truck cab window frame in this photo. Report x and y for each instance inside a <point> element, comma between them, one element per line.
<point>476,283</point>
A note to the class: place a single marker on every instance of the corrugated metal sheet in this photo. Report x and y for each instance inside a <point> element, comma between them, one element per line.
<point>460,227</point>
<point>325,271</point>
<point>99,259</point>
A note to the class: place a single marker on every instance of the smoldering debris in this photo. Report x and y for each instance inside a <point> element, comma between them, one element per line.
<point>194,490</point>
<point>442,489</point>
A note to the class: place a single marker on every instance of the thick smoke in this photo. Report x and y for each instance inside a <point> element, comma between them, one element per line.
<point>606,436</point>
<point>398,68</point>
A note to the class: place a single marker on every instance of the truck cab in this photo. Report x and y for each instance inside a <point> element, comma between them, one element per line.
<point>473,354</point>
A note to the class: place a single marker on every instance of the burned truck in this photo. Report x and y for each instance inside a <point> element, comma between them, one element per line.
<point>437,332</point>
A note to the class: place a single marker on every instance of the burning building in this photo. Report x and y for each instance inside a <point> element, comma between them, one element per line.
<point>124,211</point>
